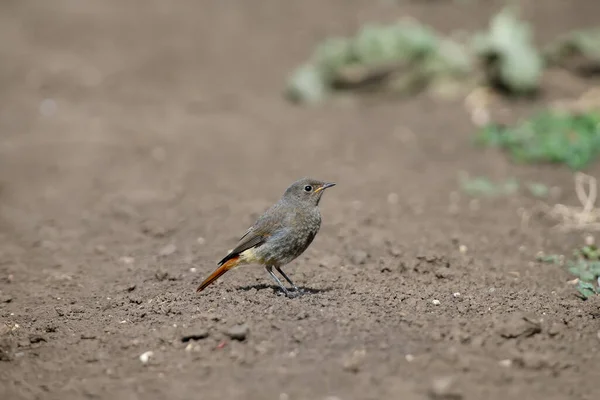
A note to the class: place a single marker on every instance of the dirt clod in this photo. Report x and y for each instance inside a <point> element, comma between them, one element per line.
<point>5,298</point>
<point>519,326</point>
<point>238,332</point>
<point>88,336</point>
<point>197,332</point>
<point>33,339</point>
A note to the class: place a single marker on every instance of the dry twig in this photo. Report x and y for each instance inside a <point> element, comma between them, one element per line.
<point>585,217</point>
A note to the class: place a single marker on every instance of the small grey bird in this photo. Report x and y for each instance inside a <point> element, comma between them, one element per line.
<point>280,235</point>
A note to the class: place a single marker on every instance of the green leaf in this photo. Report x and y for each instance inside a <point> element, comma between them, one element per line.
<point>333,54</point>
<point>516,62</point>
<point>549,258</point>
<point>571,139</point>
<point>538,189</point>
<point>308,84</point>
<point>586,289</point>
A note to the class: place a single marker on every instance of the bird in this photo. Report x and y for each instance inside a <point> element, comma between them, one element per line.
<point>280,235</point>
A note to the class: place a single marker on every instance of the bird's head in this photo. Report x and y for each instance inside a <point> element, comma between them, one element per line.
<point>307,191</point>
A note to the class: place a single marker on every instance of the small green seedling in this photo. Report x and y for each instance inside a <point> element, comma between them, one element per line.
<point>586,267</point>
<point>482,186</point>
<point>549,137</point>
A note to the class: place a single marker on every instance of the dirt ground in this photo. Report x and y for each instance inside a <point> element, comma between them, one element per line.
<point>138,141</point>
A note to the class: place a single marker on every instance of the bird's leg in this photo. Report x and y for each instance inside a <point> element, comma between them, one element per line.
<point>269,269</point>
<point>287,279</point>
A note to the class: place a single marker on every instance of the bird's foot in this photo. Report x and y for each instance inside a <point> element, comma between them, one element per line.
<point>294,294</point>
<point>297,289</point>
<point>291,294</point>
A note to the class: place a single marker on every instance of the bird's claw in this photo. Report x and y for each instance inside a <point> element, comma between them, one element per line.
<point>294,294</point>
<point>291,294</point>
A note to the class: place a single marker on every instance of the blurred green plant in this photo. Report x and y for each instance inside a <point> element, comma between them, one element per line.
<point>549,136</point>
<point>407,57</point>
<point>482,186</point>
<point>509,56</point>
<point>402,57</point>
<point>549,258</point>
<point>538,189</point>
<point>579,50</point>
<point>585,265</point>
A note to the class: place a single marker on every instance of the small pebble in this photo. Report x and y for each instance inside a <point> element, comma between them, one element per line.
<point>395,251</point>
<point>435,302</point>
<point>238,332</point>
<point>462,248</point>
<point>161,275</point>
<point>193,270</point>
<point>127,260</point>
<point>555,329</point>
<point>167,250</point>
<point>444,388</point>
<point>505,363</point>
<point>145,357</point>
<point>192,346</point>
<point>359,257</point>
<point>409,358</point>
<point>354,361</point>
<point>589,240</point>
<point>456,294</point>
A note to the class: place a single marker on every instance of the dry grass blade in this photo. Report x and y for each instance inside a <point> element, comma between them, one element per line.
<point>585,217</point>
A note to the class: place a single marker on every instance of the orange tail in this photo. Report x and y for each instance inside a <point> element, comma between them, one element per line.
<point>218,272</point>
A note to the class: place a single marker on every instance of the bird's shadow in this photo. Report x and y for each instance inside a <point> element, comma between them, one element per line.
<point>277,289</point>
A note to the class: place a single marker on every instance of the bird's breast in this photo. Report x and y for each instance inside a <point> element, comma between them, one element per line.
<point>292,240</point>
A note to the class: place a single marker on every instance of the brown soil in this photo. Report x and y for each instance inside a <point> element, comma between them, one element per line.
<point>129,130</point>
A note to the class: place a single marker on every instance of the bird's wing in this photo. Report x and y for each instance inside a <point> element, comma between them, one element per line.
<point>255,236</point>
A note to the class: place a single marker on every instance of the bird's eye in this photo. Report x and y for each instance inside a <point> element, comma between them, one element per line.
<point>308,188</point>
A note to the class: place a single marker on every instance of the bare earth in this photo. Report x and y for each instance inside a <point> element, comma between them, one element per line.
<point>139,139</point>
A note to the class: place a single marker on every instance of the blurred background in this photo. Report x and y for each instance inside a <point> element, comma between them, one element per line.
<point>139,139</point>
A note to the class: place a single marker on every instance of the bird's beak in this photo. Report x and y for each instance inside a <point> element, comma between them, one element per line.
<point>325,186</point>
